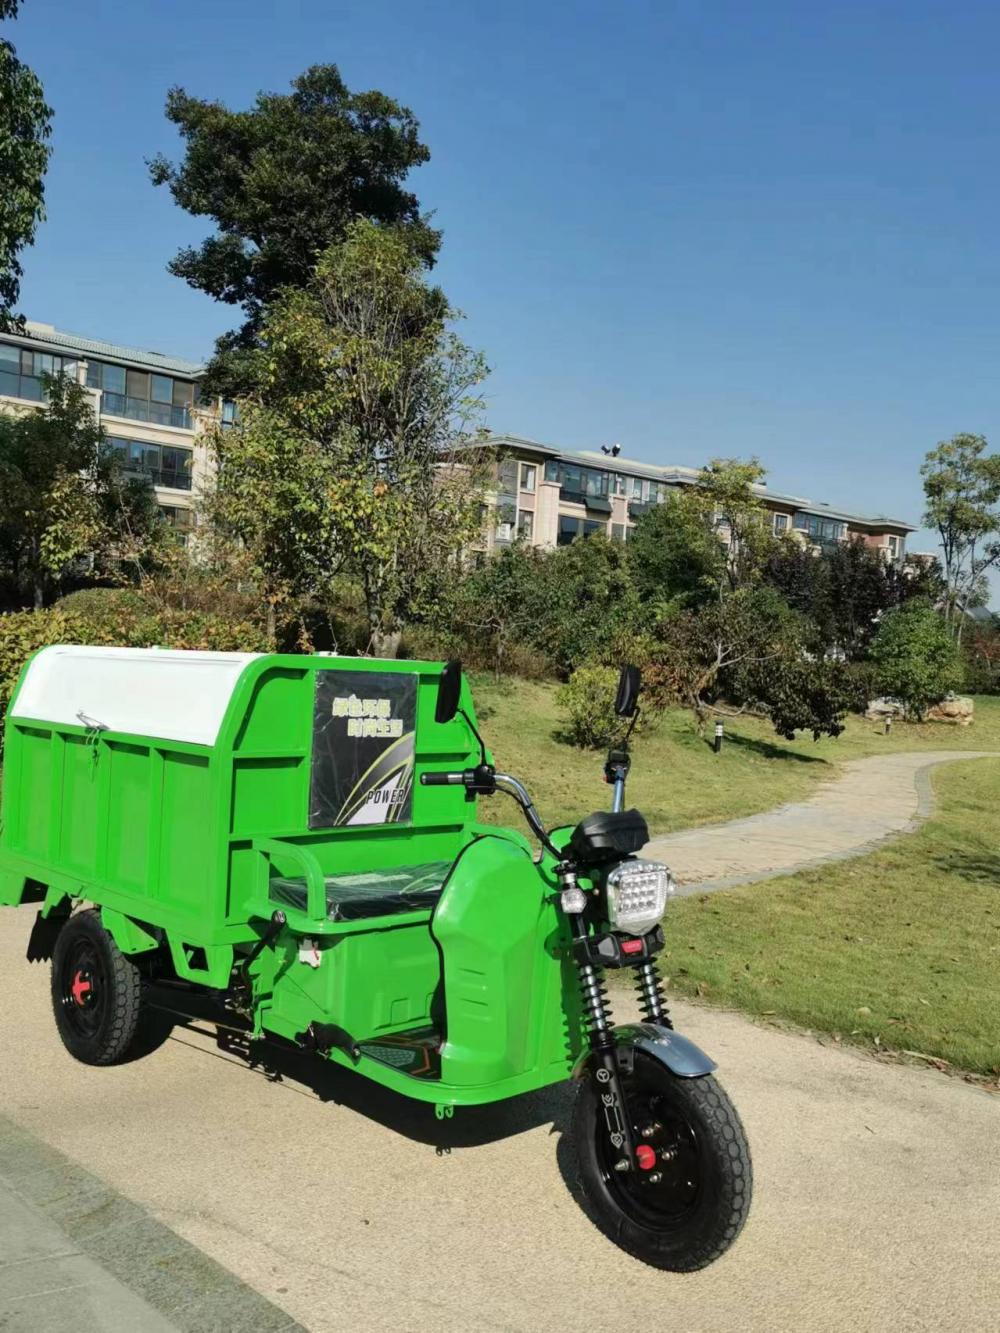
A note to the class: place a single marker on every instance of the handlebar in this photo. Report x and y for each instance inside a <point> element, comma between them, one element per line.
<point>485,781</point>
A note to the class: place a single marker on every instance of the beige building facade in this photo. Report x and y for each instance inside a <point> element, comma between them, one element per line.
<point>148,404</point>
<point>549,497</point>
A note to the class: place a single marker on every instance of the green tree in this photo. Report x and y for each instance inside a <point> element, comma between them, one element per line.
<point>499,604</point>
<point>25,125</point>
<point>282,182</point>
<point>65,499</point>
<point>675,555</point>
<point>368,401</point>
<point>746,653</point>
<point>916,657</point>
<point>588,609</point>
<point>727,494</point>
<point>962,489</point>
<point>272,511</point>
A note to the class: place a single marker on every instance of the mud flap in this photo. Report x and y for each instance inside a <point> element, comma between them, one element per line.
<point>42,940</point>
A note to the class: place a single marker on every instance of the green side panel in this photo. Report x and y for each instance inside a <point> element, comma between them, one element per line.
<point>78,815</point>
<point>127,847</point>
<point>185,845</point>
<point>267,794</point>
<point>379,980</point>
<point>506,955</point>
<point>28,786</point>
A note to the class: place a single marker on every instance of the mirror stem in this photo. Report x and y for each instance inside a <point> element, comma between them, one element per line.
<point>472,728</point>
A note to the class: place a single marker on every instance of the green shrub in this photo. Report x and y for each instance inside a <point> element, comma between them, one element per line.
<point>916,659</point>
<point>588,699</point>
<point>116,621</point>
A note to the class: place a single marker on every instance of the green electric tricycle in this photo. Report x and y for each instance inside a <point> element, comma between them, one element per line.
<point>299,836</point>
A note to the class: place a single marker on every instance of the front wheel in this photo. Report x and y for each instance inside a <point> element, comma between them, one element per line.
<point>686,1198</point>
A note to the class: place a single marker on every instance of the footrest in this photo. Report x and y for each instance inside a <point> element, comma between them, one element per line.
<point>417,1053</point>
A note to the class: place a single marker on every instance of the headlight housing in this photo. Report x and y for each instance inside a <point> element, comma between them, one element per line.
<point>637,893</point>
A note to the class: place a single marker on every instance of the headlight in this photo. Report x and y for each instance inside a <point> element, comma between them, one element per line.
<point>637,893</point>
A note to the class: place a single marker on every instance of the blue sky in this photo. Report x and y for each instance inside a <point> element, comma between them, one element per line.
<point>694,228</point>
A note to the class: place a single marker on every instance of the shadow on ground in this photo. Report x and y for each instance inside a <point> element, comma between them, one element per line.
<point>976,867</point>
<point>171,1015</point>
<point>769,750</point>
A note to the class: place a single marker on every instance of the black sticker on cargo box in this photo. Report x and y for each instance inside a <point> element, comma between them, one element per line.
<point>362,753</point>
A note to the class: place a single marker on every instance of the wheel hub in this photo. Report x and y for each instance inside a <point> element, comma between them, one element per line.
<point>82,988</point>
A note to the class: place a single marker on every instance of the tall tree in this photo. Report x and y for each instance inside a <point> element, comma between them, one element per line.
<point>25,125</point>
<point>362,377</point>
<point>65,499</point>
<point>962,487</point>
<point>726,491</point>
<point>282,182</point>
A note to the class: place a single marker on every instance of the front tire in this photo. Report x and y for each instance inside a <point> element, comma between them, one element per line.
<point>687,1210</point>
<point>96,992</point>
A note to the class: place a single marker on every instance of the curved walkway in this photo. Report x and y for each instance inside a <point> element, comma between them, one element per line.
<point>871,800</point>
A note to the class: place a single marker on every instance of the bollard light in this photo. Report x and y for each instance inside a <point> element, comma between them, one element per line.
<point>719,730</point>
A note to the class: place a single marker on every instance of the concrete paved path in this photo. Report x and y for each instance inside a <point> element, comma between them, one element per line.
<point>877,1191</point>
<point>870,800</point>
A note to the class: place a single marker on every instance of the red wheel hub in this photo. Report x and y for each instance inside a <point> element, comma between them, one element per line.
<point>80,988</point>
<point>645,1156</point>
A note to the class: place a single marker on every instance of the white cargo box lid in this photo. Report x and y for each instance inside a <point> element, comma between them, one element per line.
<point>160,692</point>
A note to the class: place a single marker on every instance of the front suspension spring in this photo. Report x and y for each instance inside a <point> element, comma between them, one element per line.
<point>652,1000</point>
<point>595,1010</point>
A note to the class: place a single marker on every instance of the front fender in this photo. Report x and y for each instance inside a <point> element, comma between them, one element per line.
<point>681,1056</point>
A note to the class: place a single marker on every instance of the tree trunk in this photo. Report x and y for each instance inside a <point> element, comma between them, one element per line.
<point>385,643</point>
<point>39,595</point>
<point>272,622</point>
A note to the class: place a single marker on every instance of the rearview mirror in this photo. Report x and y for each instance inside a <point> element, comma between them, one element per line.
<point>449,687</point>
<point>628,691</point>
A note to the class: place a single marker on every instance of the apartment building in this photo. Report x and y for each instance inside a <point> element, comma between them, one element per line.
<point>155,420</point>
<point>147,402</point>
<point>549,497</point>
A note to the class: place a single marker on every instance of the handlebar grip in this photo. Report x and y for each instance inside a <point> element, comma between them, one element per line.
<point>442,779</point>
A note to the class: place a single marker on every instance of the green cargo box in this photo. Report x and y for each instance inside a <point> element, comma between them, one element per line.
<point>191,796</point>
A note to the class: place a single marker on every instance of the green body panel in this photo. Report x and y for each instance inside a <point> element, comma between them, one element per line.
<point>178,843</point>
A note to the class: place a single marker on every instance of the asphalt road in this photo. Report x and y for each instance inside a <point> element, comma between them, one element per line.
<point>877,1188</point>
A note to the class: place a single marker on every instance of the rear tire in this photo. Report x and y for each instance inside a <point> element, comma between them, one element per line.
<point>694,1213</point>
<point>96,992</point>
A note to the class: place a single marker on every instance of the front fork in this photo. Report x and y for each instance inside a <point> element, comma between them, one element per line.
<point>587,954</point>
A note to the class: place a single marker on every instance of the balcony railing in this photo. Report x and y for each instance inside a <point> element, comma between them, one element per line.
<point>174,478</point>
<point>139,409</point>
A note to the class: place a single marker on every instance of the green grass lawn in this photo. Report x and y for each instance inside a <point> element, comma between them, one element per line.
<point>676,779</point>
<point>898,950</point>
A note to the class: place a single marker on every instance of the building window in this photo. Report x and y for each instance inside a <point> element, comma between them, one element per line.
<point>528,471</point>
<point>163,464</point>
<point>230,412</point>
<point>140,395</point>
<point>892,545</point>
<point>578,484</point>
<point>822,530</point>
<point>569,529</point>
<point>780,524</point>
<point>178,517</point>
<point>618,532</point>
<point>525,524</point>
<point>21,371</point>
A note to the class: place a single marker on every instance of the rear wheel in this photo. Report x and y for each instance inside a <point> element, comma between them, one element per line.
<point>96,992</point>
<point>685,1199</point>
